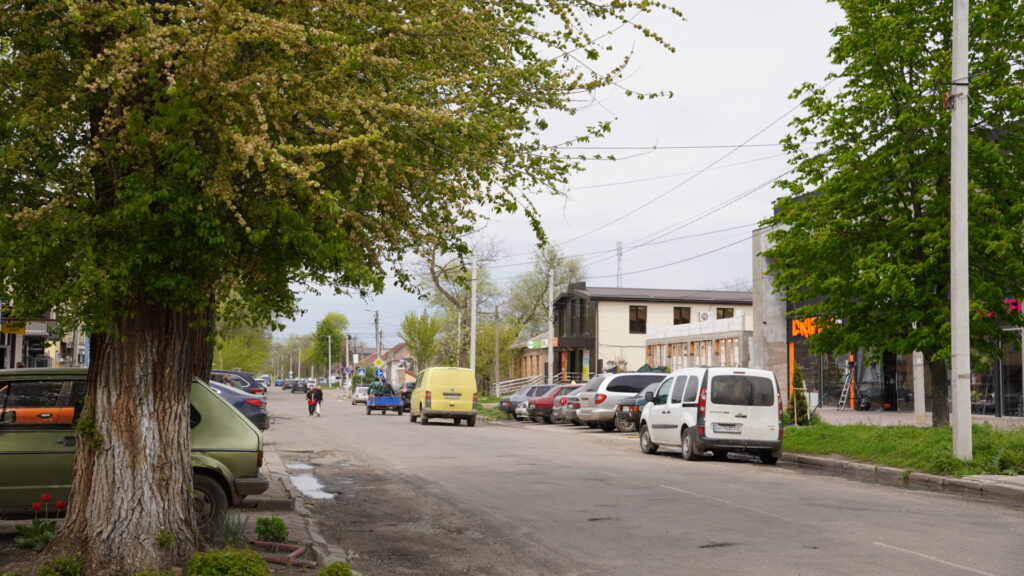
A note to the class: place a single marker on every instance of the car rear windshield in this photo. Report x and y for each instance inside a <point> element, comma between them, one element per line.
<point>633,383</point>
<point>742,390</point>
<point>538,391</point>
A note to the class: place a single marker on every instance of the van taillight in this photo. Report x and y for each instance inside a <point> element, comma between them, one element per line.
<point>474,400</point>
<point>600,398</point>
<point>259,459</point>
<point>702,403</point>
<point>426,399</point>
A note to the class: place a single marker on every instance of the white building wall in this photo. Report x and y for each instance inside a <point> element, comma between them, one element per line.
<point>616,346</point>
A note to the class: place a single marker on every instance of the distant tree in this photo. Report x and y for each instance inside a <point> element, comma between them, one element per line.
<point>419,332</point>
<point>862,241</point>
<point>329,335</point>
<point>247,348</point>
<point>526,301</point>
<point>163,161</point>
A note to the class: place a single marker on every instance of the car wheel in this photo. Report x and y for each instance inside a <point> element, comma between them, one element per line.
<point>688,445</point>
<point>210,500</point>
<point>646,445</point>
<point>353,402</point>
<point>399,410</point>
<point>548,419</point>
<point>625,425</point>
<point>607,426</point>
<point>367,410</point>
<point>412,417</point>
<point>471,421</point>
<point>768,458</point>
<point>592,425</point>
<point>423,418</point>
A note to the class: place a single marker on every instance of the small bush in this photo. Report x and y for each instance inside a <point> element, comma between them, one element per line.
<point>271,529</point>
<point>337,569</point>
<point>166,540</point>
<point>154,572</point>
<point>228,562</point>
<point>61,567</point>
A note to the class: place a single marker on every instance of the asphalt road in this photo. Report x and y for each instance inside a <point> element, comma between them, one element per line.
<point>551,499</point>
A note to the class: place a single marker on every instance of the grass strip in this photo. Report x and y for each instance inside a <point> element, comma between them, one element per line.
<point>929,450</point>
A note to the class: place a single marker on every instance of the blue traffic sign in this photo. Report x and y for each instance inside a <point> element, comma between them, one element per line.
<point>362,372</point>
<point>347,370</point>
<point>379,373</point>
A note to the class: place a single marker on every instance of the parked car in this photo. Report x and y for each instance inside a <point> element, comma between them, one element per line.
<point>566,407</point>
<point>523,410</point>
<point>444,392</point>
<point>227,449</point>
<point>299,386</point>
<point>602,392</point>
<point>405,392</point>
<point>360,395</point>
<point>627,411</point>
<point>252,406</point>
<point>287,385</point>
<point>509,404</point>
<point>541,407</point>
<point>718,409</point>
<point>237,379</point>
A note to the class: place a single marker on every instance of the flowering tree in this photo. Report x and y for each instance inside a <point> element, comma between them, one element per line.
<point>159,161</point>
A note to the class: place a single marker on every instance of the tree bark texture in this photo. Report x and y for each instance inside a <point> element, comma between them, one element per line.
<point>940,390</point>
<point>133,472</point>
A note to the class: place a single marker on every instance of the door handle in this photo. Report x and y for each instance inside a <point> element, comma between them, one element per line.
<point>741,415</point>
<point>67,441</point>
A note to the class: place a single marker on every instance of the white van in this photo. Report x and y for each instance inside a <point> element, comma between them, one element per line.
<point>719,409</point>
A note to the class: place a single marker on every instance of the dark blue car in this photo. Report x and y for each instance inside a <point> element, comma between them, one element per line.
<point>252,406</point>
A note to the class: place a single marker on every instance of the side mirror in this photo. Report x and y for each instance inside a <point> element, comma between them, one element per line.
<point>649,396</point>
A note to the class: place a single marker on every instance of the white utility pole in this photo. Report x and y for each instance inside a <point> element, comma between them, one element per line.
<point>300,364</point>
<point>960,286</point>
<point>618,276</point>
<point>376,329</point>
<point>551,327</point>
<point>328,359</point>
<point>497,349</point>
<point>472,315</point>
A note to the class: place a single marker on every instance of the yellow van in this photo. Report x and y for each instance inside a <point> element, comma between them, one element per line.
<point>444,392</point>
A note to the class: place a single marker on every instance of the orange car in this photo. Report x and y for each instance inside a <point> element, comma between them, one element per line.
<point>57,408</point>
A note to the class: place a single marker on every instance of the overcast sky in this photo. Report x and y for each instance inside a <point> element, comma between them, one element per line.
<point>685,211</point>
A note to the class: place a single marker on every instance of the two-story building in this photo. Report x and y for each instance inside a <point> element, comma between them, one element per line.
<point>600,329</point>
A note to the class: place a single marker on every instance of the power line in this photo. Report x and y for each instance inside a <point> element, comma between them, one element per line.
<point>701,255</point>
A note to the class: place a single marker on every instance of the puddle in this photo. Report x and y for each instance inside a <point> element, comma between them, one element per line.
<point>298,466</point>
<point>310,487</point>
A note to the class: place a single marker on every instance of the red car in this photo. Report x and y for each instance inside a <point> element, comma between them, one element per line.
<point>540,407</point>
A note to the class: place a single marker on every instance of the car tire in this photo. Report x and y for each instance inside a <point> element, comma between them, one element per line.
<point>625,425</point>
<point>592,425</point>
<point>646,446</point>
<point>607,426</point>
<point>367,410</point>
<point>399,410</point>
<point>471,421</point>
<point>548,420</point>
<point>688,445</point>
<point>768,458</point>
<point>412,417</point>
<point>211,501</point>
<point>423,419</point>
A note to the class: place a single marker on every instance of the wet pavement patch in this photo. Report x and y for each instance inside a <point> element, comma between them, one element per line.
<point>311,487</point>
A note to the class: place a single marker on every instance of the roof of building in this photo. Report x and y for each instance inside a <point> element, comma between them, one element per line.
<point>662,295</point>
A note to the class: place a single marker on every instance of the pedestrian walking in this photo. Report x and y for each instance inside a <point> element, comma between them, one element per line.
<point>311,400</point>
<point>318,396</point>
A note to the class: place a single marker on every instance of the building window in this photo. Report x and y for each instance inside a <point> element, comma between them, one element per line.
<point>725,313</point>
<point>638,319</point>
<point>681,315</point>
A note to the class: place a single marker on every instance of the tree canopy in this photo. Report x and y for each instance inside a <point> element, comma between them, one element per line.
<point>862,241</point>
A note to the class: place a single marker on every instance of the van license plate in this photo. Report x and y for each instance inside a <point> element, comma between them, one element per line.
<point>451,396</point>
<point>726,428</point>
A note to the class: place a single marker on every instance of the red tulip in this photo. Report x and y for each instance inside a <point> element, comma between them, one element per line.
<point>46,497</point>
<point>61,504</point>
<point>37,506</point>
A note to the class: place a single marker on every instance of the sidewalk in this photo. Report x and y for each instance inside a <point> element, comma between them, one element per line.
<point>1002,489</point>
<point>285,501</point>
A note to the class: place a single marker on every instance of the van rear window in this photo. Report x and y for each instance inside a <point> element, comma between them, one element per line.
<point>633,383</point>
<point>742,390</point>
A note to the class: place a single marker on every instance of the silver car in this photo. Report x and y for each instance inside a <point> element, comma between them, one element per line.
<point>360,395</point>
<point>599,397</point>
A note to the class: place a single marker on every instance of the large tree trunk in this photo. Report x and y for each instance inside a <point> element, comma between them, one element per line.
<point>940,389</point>
<point>133,472</point>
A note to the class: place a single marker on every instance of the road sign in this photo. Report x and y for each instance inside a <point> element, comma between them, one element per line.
<point>361,372</point>
<point>378,362</point>
<point>379,373</point>
<point>347,370</point>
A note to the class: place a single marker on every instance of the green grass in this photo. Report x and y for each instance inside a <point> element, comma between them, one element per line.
<point>919,449</point>
<point>487,406</point>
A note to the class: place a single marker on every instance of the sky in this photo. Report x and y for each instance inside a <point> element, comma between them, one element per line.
<point>683,196</point>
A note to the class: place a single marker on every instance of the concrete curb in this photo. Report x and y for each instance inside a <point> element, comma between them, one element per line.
<point>1001,489</point>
